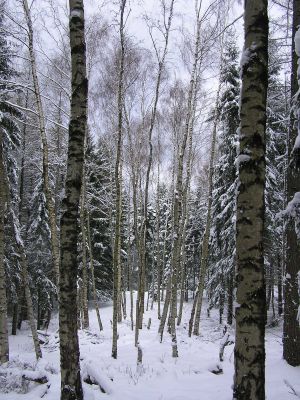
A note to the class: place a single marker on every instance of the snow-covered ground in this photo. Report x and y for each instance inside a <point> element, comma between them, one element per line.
<point>160,377</point>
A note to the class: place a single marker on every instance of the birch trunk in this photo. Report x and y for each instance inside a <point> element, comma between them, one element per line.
<point>46,180</point>
<point>93,272</point>
<point>179,189</point>
<point>118,183</point>
<point>205,242</point>
<point>30,314</point>
<point>71,387</point>
<point>249,379</point>
<point>161,63</point>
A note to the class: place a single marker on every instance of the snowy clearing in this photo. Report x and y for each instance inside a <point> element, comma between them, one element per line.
<point>160,377</point>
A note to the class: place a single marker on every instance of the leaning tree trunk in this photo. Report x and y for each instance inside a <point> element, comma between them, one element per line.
<point>45,174</point>
<point>291,326</point>
<point>249,379</point>
<point>4,350</point>
<point>71,387</point>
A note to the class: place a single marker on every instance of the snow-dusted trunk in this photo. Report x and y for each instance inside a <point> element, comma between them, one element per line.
<point>85,320</point>
<point>205,242</point>
<point>45,174</point>
<point>30,314</point>
<point>161,64</point>
<point>120,266</point>
<point>291,326</point>
<point>71,387</point>
<point>93,272</point>
<point>279,285</point>
<point>165,309</point>
<point>185,198</point>
<point>118,183</point>
<point>158,259</point>
<point>178,223</point>
<point>249,379</point>
<point>4,350</point>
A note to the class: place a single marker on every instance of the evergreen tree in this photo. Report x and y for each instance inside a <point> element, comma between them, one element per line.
<point>275,174</point>
<point>9,141</point>
<point>222,254</point>
<point>100,208</point>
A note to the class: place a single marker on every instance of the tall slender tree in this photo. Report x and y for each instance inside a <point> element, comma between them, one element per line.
<point>71,387</point>
<point>249,380</point>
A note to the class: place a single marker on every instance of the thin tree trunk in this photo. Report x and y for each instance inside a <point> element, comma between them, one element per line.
<point>143,258</point>
<point>229,300</point>
<point>46,180</point>
<point>93,272</point>
<point>24,271</point>
<point>205,242</point>
<point>15,318</point>
<point>249,379</point>
<point>279,286</point>
<point>85,320</point>
<point>118,183</point>
<point>165,309</point>
<point>71,387</point>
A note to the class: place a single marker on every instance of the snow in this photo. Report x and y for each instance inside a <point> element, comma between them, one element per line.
<point>159,377</point>
<point>242,158</point>
<point>76,13</point>
<point>297,50</point>
<point>297,42</point>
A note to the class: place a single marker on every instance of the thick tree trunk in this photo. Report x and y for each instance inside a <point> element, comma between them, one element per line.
<point>4,350</point>
<point>249,379</point>
<point>291,326</point>
<point>71,387</point>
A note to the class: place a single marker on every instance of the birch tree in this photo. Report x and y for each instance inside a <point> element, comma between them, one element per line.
<point>42,127</point>
<point>118,183</point>
<point>71,387</point>
<point>249,379</point>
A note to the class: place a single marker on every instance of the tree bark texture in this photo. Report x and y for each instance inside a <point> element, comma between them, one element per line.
<point>118,183</point>
<point>291,326</point>
<point>249,379</point>
<point>71,387</point>
<point>4,350</point>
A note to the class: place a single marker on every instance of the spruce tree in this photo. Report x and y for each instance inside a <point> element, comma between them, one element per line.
<point>222,255</point>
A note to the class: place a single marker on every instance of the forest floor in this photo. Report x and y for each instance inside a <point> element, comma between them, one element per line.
<point>160,377</point>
